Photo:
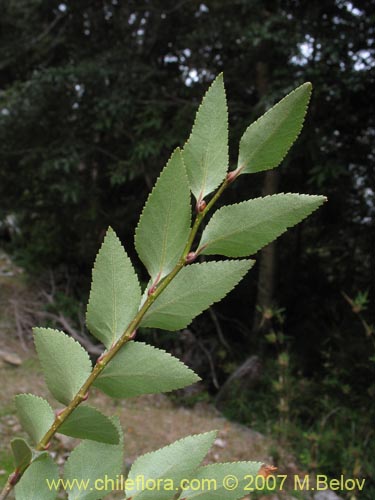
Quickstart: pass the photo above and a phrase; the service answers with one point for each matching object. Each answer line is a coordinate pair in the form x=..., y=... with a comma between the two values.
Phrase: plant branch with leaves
x=179, y=289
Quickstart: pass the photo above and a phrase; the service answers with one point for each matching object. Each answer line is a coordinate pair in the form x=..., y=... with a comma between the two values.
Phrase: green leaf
x=142, y=369
x=170, y=465
x=66, y=365
x=194, y=289
x=115, y=292
x=206, y=151
x=242, y=229
x=91, y=461
x=212, y=481
x=266, y=141
x=35, y=414
x=164, y=226
x=22, y=453
x=40, y=481
x=87, y=422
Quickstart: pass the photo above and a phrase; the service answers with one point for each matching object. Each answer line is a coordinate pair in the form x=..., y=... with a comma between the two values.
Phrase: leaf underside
x=66, y=365
x=87, y=422
x=90, y=461
x=142, y=369
x=266, y=141
x=216, y=473
x=161, y=235
x=243, y=229
x=34, y=485
x=115, y=292
x=164, y=225
x=193, y=290
x=35, y=414
x=206, y=151
x=174, y=462
x=22, y=453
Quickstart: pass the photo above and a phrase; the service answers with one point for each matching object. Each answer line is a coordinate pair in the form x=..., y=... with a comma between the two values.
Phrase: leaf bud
x=191, y=256
x=232, y=176
x=201, y=205
x=15, y=477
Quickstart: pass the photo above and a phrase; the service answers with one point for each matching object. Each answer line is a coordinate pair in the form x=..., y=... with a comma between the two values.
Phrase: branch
x=82, y=339
x=210, y=362
x=219, y=330
x=129, y=334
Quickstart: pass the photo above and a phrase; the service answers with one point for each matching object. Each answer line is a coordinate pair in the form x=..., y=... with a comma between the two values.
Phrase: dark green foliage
x=327, y=419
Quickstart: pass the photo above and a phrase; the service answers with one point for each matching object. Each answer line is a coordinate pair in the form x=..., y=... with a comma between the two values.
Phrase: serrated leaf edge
x=33, y=396
x=29, y=394
x=170, y=445
x=178, y=361
x=242, y=462
x=251, y=262
x=220, y=75
x=110, y=229
x=98, y=412
x=151, y=194
x=220, y=464
x=260, y=119
x=207, y=245
x=120, y=444
x=70, y=339
x=42, y=456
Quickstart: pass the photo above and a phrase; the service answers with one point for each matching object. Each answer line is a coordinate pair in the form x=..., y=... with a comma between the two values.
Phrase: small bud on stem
x=232, y=176
x=201, y=205
x=14, y=478
x=100, y=358
x=58, y=413
x=152, y=288
x=191, y=256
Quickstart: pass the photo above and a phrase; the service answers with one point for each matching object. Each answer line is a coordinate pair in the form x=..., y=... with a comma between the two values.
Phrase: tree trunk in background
x=267, y=265
x=248, y=373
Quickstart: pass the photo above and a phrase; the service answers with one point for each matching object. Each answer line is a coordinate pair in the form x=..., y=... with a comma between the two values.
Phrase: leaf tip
x=220, y=77
x=110, y=232
x=307, y=85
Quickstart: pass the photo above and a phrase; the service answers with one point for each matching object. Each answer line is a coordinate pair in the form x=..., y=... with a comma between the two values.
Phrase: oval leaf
x=164, y=226
x=66, y=365
x=192, y=291
x=40, y=480
x=91, y=461
x=87, y=422
x=22, y=453
x=266, y=141
x=35, y=414
x=243, y=229
x=211, y=477
x=115, y=292
x=170, y=464
x=206, y=151
x=142, y=369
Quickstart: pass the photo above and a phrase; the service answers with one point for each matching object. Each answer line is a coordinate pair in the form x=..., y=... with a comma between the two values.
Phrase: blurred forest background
x=94, y=96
